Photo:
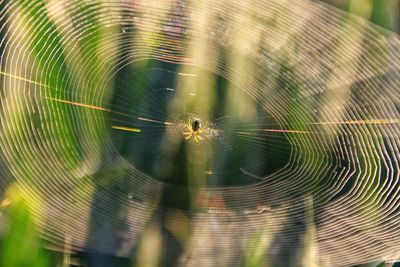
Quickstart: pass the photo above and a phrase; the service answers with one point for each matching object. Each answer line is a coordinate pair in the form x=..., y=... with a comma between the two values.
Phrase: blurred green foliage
x=384, y=13
x=21, y=245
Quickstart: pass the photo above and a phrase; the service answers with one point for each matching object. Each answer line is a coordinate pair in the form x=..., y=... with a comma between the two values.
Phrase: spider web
x=302, y=100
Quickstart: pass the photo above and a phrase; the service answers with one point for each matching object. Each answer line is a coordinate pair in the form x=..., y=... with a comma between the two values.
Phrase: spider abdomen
x=195, y=125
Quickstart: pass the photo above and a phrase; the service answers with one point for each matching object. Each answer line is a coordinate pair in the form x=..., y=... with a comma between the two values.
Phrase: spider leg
x=186, y=130
x=189, y=135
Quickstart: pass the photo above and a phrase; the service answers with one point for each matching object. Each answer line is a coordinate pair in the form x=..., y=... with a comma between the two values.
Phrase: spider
x=193, y=129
